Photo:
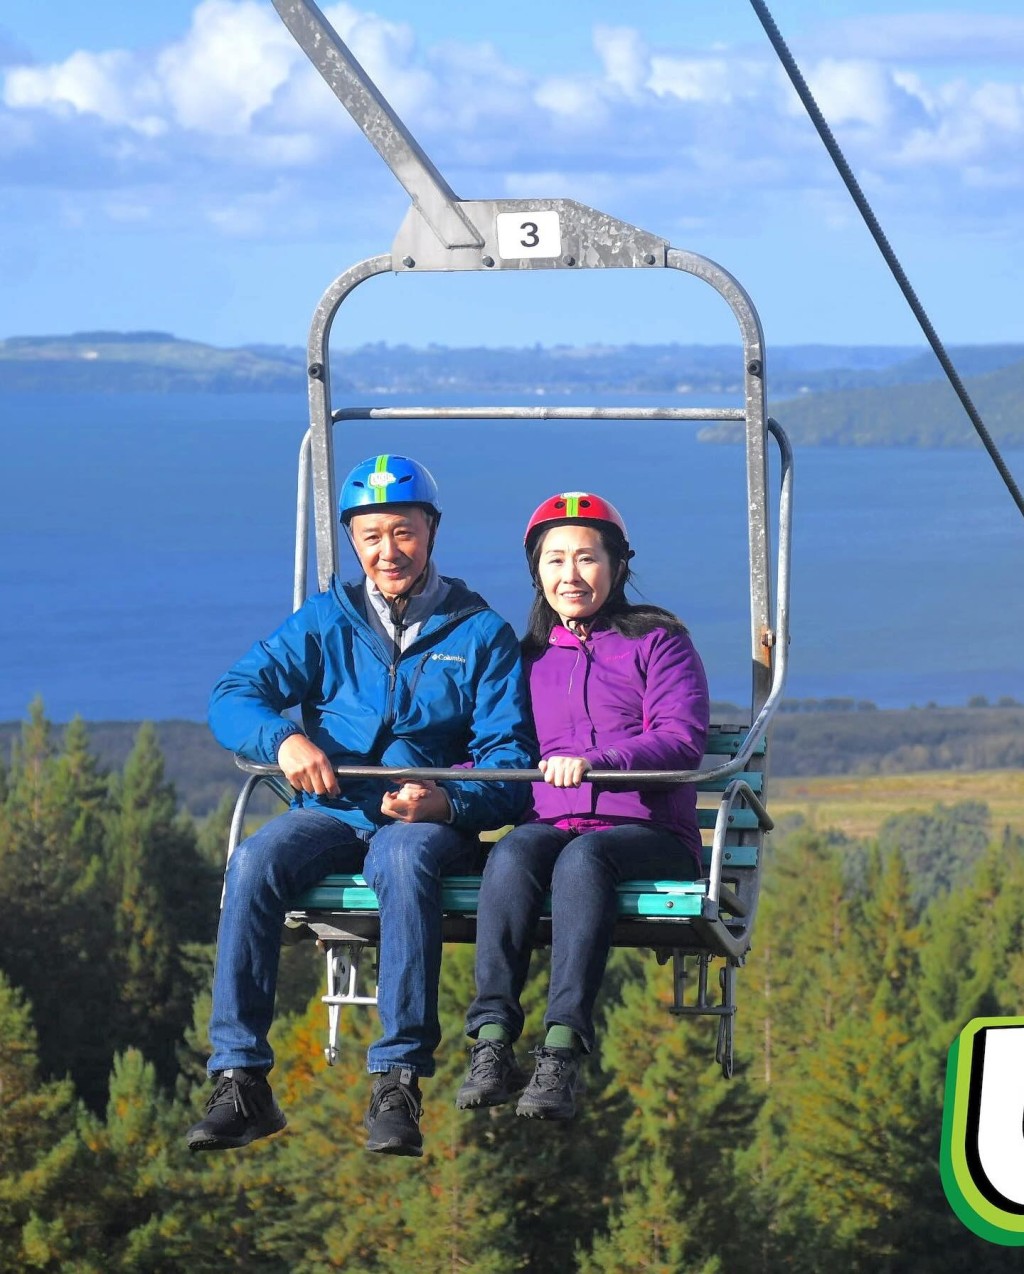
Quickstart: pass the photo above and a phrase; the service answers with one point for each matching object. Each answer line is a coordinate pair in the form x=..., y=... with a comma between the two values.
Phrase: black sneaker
x=494, y=1076
x=393, y=1120
x=551, y=1092
x=241, y=1108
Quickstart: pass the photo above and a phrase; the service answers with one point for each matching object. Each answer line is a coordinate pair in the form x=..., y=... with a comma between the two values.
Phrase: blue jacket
x=455, y=695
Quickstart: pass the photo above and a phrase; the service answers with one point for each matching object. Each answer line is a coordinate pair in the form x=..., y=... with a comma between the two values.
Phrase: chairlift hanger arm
x=442, y=231
x=371, y=110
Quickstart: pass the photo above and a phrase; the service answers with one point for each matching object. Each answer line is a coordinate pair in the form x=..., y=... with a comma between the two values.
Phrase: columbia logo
x=450, y=659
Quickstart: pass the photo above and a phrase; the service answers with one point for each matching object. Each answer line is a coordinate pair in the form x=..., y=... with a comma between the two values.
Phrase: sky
x=179, y=166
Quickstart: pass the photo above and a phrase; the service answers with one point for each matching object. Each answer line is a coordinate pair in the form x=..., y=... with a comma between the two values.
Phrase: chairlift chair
x=694, y=925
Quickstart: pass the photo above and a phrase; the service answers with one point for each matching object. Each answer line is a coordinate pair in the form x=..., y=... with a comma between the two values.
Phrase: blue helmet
x=384, y=480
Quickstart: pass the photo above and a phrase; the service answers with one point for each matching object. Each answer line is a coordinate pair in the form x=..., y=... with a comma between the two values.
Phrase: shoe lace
x=230, y=1092
x=549, y=1072
x=392, y=1094
x=488, y=1060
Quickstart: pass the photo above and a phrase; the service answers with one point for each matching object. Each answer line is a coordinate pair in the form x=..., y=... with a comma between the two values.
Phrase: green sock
x=562, y=1037
x=492, y=1031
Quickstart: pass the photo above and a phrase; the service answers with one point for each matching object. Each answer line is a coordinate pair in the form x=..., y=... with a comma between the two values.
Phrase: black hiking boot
x=494, y=1076
x=393, y=1120
x=241, y=1109
x=551, y=1092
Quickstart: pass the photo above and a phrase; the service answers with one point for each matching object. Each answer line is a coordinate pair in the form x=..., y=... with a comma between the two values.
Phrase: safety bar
x=538, y=413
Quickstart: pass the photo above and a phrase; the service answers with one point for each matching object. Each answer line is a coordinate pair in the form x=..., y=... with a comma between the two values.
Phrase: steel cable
x=838, y=158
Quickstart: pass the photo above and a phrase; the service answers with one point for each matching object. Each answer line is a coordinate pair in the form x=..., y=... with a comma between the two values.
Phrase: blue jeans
x=402, y=862
x=581, y=871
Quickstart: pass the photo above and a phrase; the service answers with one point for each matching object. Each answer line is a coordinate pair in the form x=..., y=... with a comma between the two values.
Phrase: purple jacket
x=623, y=704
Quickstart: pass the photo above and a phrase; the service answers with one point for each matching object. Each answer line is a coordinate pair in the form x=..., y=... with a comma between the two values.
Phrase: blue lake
x=146, y=540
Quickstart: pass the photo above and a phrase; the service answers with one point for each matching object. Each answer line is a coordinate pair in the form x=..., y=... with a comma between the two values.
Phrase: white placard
x=528, y=234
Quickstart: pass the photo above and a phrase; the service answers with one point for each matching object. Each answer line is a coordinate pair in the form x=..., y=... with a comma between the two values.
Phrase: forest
x=821, y=1152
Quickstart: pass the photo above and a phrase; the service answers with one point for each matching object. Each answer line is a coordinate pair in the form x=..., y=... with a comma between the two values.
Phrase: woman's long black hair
x=628, y=618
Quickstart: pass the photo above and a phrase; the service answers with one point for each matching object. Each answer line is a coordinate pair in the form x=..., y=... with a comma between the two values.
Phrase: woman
x=612, y=686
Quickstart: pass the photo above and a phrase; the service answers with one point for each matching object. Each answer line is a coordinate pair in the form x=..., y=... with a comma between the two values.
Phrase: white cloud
x=572, y=99
x=926, y=37
x=649, y=130
x=102, y=84
x=690, y=79
x=854, y=92
x=227, y=68
x=624, y=57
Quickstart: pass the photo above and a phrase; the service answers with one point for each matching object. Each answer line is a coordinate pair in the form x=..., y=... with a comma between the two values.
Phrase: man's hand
x=417, y=802
x=564, y=771
x=307, y=768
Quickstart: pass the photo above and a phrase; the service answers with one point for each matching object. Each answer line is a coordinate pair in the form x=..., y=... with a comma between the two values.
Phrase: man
x=405, y=668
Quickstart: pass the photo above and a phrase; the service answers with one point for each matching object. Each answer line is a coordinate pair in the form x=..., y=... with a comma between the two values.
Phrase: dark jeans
x=581, y=871
x=403, y=863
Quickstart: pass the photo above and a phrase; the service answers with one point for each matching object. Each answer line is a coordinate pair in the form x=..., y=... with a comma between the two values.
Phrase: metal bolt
x=768, y=638
x=649, y=258
x=754, y=367
x=408, y=262
x=567, y=260
x=316, y=370
x=488, y=261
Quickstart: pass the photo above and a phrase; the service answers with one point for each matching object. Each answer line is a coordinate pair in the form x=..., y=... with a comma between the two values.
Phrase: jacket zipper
x=399, y=655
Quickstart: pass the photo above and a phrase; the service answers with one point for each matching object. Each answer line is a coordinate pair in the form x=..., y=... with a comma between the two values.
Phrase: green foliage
x=820, y=1153
x=57, y=937
x=102, y=888
x=163, y=894
x=939, y=847
x=40, y=1154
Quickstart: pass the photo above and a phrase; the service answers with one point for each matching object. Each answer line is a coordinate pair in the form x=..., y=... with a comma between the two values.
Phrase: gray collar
x=420, y=607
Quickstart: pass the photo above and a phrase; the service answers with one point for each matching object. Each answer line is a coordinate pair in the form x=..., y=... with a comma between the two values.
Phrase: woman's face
x=575, y=571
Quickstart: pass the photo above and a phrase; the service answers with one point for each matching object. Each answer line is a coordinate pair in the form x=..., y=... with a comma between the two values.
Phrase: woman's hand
x=306, y=768
x=421, y=801
x=564, y=771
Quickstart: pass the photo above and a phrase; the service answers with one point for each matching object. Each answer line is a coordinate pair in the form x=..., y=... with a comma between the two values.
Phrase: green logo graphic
x=982, y=1156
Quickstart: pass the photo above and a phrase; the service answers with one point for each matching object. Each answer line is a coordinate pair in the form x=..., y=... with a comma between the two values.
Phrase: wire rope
x=859, y=198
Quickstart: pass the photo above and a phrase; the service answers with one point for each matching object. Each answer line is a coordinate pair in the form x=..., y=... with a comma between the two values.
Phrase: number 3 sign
x=528, y=234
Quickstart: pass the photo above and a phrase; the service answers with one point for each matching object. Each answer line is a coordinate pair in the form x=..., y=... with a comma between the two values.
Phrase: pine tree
x=41, y=1213
x=682, y=1124
x=56, y=936
x=793, y=1000
x=164, y=897
x=652, y=1232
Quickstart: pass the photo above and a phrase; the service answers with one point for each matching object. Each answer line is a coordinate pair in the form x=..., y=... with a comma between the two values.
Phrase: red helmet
x=575, y=506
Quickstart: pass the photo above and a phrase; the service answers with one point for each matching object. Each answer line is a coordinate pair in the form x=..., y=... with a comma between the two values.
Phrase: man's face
x=392, y=547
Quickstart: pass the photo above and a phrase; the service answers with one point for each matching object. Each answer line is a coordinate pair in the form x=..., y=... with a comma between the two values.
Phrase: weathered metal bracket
x=530, y=234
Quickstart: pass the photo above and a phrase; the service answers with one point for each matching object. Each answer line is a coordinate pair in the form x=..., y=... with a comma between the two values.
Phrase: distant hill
x=154, y=362
x=139, y=362
x=834, y=395
x=901, y=415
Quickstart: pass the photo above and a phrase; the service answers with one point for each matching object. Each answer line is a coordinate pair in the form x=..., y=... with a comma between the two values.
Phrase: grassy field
x=859, y=805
